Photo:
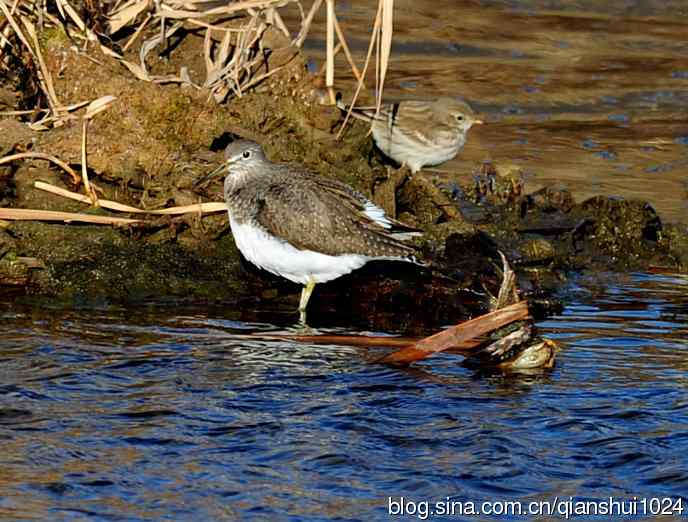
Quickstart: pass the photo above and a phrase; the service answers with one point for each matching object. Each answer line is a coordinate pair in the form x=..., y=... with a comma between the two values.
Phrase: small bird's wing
x=368, y=113
x=326, y=220
x=414, y=113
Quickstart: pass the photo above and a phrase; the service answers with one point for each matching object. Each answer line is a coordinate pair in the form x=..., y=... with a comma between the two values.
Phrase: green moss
x=165, y=118
x=53, y=38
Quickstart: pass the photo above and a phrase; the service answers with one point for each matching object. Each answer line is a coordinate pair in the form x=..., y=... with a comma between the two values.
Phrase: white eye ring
x=459, y=117
x=246, y=154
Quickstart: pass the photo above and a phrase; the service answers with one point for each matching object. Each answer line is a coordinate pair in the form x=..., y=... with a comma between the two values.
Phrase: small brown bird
x=419, y=133
x=301, y=226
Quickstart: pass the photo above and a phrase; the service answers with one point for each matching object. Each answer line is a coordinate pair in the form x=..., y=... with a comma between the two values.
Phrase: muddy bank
x=151, y=146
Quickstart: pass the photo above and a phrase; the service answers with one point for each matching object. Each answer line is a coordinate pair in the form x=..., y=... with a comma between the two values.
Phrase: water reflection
x=587, y=93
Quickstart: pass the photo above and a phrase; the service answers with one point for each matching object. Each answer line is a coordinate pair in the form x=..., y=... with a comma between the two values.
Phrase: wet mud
x=156, y=141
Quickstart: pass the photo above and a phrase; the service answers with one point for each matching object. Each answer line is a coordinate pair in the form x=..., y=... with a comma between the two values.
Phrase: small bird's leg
x=305, y=296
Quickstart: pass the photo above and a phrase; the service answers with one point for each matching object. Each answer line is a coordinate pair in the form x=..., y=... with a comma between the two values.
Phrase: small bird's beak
x=478, y=122
x=204, y=179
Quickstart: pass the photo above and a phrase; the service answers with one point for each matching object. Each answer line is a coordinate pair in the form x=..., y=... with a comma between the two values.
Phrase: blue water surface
x=159, y=413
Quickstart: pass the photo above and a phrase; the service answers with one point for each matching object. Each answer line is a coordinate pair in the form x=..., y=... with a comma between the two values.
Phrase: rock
x=8, y=99
x=676, y=237
x=7, y=244
x=13, y=272
x=549, y=199
x=535, y=252
x=14, y=134
x=623, y=231
x=540, y=354
x=426, y=201
x=28, y=196
x=385, y=190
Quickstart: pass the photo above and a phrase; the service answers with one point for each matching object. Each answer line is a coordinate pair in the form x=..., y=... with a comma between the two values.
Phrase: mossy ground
x=150, y=146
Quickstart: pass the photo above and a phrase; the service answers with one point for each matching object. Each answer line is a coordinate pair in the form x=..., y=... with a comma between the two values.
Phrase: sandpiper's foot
x=302, y=317
x=301, y=328
x=305, y=297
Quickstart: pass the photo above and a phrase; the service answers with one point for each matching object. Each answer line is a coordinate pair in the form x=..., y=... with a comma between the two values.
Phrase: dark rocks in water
x=547, y=234
x=549, y=199
x=676, y=238
x=622, y=233
x=15, y=271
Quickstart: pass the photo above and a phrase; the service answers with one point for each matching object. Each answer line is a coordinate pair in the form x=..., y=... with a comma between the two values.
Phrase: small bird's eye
x=246, y=154
x=459, y=117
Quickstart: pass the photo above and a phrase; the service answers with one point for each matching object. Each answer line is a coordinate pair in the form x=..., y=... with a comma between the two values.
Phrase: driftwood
x=459, y=334
x=517, y=350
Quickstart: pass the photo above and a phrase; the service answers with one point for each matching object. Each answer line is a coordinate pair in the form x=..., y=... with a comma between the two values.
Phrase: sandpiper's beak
x=204, y=179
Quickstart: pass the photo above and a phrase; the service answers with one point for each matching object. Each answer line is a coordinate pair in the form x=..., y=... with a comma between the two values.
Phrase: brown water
x=590, y=94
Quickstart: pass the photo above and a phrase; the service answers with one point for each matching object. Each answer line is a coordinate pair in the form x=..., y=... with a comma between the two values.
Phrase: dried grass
x=203, y=208
x=234, y=55
x=39, y=155
x=95, y=107
x=25, y=214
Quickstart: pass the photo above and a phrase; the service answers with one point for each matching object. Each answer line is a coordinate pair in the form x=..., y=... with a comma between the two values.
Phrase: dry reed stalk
x=359, y=86
x=306, y=23
x=345, y=47
x=76, y=179
x=229, y=68
x=329, y=74
x=170, y=15
x=363, y=341
x=381, y=40
x=385, y=48
x=44, y=78
x=137, y=33
x=84, y=170
x=64, y=6
x=25, y=214
x=232, y=70
x=203, y=208
x=95, y=107
x=20, y=113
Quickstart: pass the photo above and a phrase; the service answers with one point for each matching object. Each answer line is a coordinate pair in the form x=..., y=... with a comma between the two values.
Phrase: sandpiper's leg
x=305, y=296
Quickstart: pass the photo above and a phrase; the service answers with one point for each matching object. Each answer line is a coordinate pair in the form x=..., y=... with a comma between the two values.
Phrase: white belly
x=282, y=259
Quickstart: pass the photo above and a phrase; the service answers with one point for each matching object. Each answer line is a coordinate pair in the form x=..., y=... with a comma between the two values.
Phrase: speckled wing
x=311, y=216
x=362, y=205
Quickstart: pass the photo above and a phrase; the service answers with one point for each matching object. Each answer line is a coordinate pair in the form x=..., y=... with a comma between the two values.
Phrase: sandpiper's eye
x=459, y=117
x=246, y=154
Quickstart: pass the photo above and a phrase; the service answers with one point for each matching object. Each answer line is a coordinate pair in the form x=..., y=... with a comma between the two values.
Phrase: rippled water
x=169, y=413
x=592, y=94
